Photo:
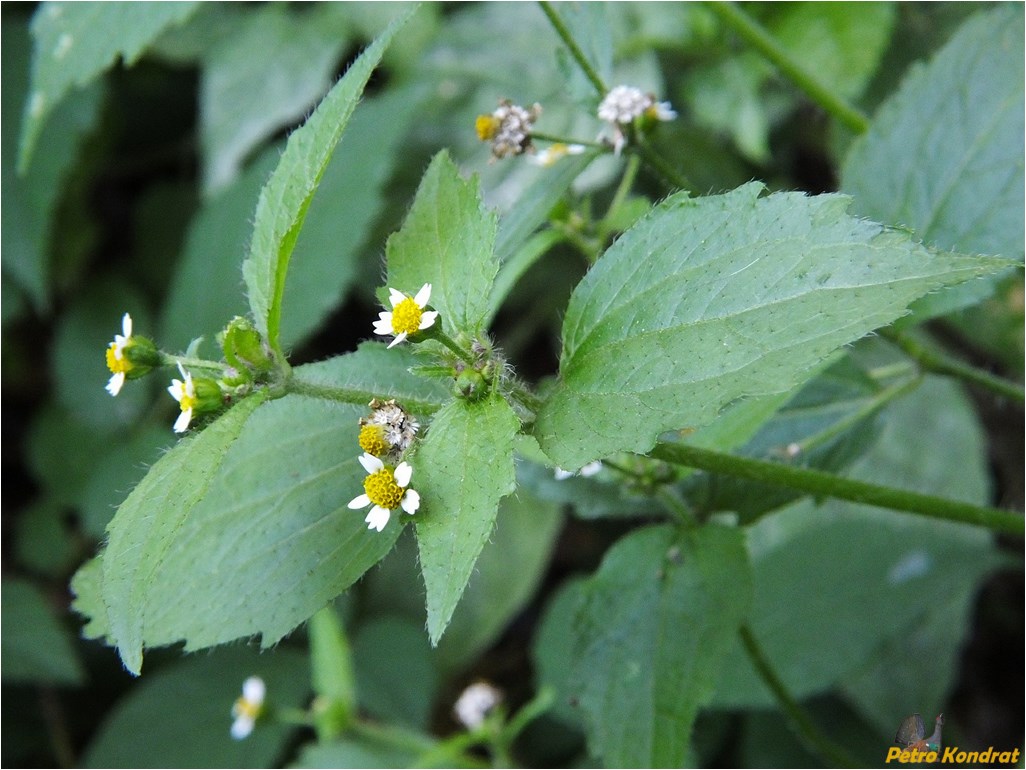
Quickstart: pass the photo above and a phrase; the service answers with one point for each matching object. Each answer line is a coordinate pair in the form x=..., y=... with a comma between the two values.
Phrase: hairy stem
x=753, y=32
x=938, y=363
x=353, y=396
x=575, y=50
x=803, y=727
x=827, y=484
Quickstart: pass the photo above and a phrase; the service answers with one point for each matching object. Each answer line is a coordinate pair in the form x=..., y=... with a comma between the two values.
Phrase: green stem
x=671, y=177
x=938, y=363
x=749, y=29
x=877, y=403
x=352, y=396
x=683, y=514
x=807, y=732
x=167, y=359
x=630, y=173
x=525, y=397
x=437, y=334
x=564, y=140
x=575, y=50
x=827, y=484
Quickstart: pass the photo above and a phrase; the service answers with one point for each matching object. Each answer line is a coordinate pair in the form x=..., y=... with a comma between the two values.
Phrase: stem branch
x=753, y=32
x=352, y=396
x=575, y=50
x=807, y=732
x=827, y=484
x=938, y=363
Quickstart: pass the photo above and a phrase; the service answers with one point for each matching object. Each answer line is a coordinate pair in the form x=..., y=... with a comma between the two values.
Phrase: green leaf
x=270, y=522
x=76, y=42
x=821, y=615
x=45, y=543
x=87, y=587
x=204, y=293
x=286, y=197
x=506, y=576
x=650, y=637
x=944, y=154
x=362, y=752
x=447, y=240
x=462, y=470
x=352, y=191
x=395, y=674
x=35, y=648
x=705, y=301
x=148, y=523
x=30, y=199
x=193, y=698
x=269, y=72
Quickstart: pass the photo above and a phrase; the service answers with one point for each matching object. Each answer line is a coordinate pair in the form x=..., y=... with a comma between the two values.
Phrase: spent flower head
x=248, y=708
x=385, y=489
x=389, y=429
x=129, y=357
x=508, y=128
x=407, y=316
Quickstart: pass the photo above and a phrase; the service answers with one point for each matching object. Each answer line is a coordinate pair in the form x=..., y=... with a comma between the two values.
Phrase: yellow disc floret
x=372, y=440
x=487, y=126
x=187, y=402
x=383, y=490
x=406, y=317
x=116, y=364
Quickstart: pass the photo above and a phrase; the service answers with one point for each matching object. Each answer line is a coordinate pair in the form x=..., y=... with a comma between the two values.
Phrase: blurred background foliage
x=139, y=197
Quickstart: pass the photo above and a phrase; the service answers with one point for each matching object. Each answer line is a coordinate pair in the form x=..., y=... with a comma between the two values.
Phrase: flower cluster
x=624, y=105
x=508, y=128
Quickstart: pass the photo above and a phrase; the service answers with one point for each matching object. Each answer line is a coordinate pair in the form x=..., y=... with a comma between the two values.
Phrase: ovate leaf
x=649, y=638
x=147, y=523
x=447, y=240
x=286, y=198
x=705, y=301
x=462, y=469
x=944, y=155
x=76, y=42
x=271, y=540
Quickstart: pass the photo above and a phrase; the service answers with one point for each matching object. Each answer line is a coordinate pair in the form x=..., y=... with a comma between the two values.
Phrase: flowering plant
x=699, y=444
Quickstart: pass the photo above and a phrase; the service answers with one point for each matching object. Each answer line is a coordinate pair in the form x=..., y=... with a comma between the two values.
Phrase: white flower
x=116, y=360
x=475, y=702
x=247, y=708
x=407, y=316
x=184, y=392
x=587, y=470
x=385, y=489
x=554, y=152
x=662, y=111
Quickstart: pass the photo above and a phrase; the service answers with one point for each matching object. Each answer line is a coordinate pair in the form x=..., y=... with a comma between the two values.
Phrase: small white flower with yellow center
x=408, y=315
x=385, y=489
x=587, y=470
x=555, y=152
x=475, y=702
x=247, y=709
x=184, y=392
x=116, y=360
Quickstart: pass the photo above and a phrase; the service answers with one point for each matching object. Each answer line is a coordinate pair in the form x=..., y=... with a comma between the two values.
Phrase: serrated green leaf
x=204, y=293
x=856, y=607
x=76, y=42
x=352, y=191
x=447, y=240
x=35, y=648
x=286, y=197
x=506, y=575
x=194, y=697
x=708, y=300
x=268, y=540
x=649, y=638
x=462, y=470
x=148, y=522
x=268, y=72
x=944, y=154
